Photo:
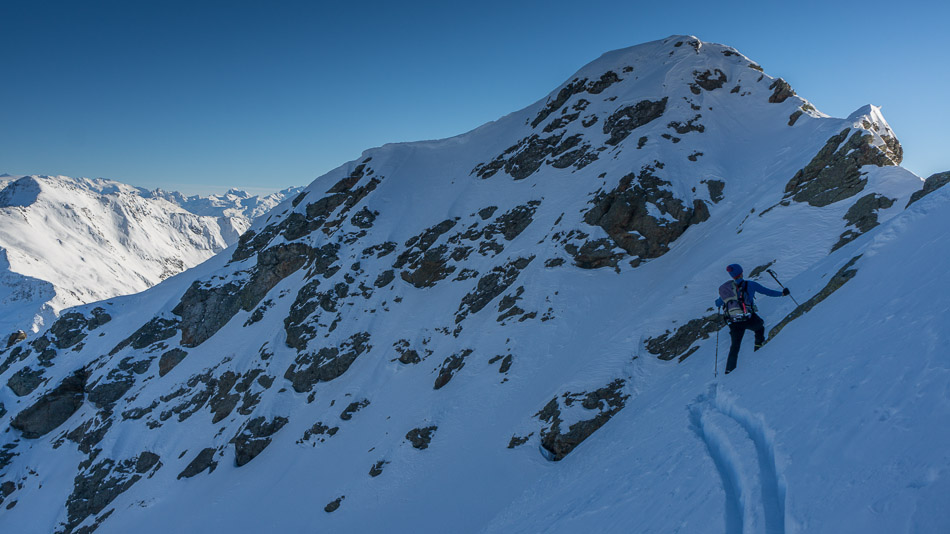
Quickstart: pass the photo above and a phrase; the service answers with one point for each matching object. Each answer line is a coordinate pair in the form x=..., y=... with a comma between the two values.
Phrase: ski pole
x=716, y=366
x=771, y=272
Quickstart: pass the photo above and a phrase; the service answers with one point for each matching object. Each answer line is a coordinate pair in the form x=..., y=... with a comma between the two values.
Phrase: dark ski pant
x=737, y=330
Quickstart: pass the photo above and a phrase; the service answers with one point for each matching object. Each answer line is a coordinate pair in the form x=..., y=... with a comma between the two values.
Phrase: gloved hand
x=785, y=291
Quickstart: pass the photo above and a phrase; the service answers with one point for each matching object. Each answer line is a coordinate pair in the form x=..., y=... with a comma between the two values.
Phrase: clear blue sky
x=203, y=96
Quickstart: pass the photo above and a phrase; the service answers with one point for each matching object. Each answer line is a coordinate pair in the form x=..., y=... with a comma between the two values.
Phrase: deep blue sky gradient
x=203, y=96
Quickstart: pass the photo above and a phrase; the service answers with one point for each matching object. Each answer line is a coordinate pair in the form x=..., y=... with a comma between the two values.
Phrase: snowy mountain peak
x=20, y=193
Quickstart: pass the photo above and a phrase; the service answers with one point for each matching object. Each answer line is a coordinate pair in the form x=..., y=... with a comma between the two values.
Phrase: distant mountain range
x=68, y=241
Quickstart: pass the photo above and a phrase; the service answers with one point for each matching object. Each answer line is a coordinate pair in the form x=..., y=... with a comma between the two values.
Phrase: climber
x=737, y=303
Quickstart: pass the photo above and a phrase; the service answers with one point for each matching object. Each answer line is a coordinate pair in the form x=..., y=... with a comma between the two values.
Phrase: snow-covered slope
x=70, y=241
x=511, y=331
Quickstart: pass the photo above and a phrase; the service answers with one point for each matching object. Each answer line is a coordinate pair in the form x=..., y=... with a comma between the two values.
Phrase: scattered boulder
x=377, y=468
x=334, y=505
x=421, y=437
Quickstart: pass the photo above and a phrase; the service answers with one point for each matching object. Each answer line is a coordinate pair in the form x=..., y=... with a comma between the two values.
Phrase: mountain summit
x=511, y=330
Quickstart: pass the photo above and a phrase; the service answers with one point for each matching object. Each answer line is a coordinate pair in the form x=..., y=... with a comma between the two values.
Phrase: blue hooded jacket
x=751, y=288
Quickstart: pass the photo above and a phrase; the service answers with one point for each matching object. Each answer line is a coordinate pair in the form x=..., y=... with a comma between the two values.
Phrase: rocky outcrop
x=352, y=408
x=157, y=329
x=377, y=468
x=931, y=184
x=25, y=381
x=421, y=437
x=862, y=216
x=601, y=404
x=450, y=366
x=334, y=504
x=52, y=408
x=781, y=91
x=708, y=80
x=627, y=119
x=835, y=173
x=327, y=363
x=205, y=307
x=255, y=437
x=98, y=485
x=626, y=214
x=15, y=338
x=169, y=360
x=680, y=342
x=490, y=286
x=204, y=460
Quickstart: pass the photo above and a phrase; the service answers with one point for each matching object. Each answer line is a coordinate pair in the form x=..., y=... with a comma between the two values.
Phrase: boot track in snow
x=755, y=491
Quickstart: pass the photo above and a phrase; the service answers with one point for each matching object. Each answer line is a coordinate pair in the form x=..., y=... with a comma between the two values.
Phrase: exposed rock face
x=204, y=460
x=25, y=381
x=421, y=437
x=707, y=80
x=625, y=120
x=98, y=485
x=157, y=329
x=450, y=366
x=931, y=184
x=862, y=216
x=677, y=344
x=625, y=214
x=835, y=173
x=352, y=408
x=53, y=408
x=254, y=437
x=490, y=286
x=319, y=429
x=377, y=468
x=603, y=404
x=205, y=308
x=169, y=360
x=781, y=91
x=327, y=363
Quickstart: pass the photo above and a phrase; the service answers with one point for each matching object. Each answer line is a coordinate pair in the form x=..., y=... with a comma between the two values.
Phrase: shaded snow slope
x=511, y=330
x=70, y=241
